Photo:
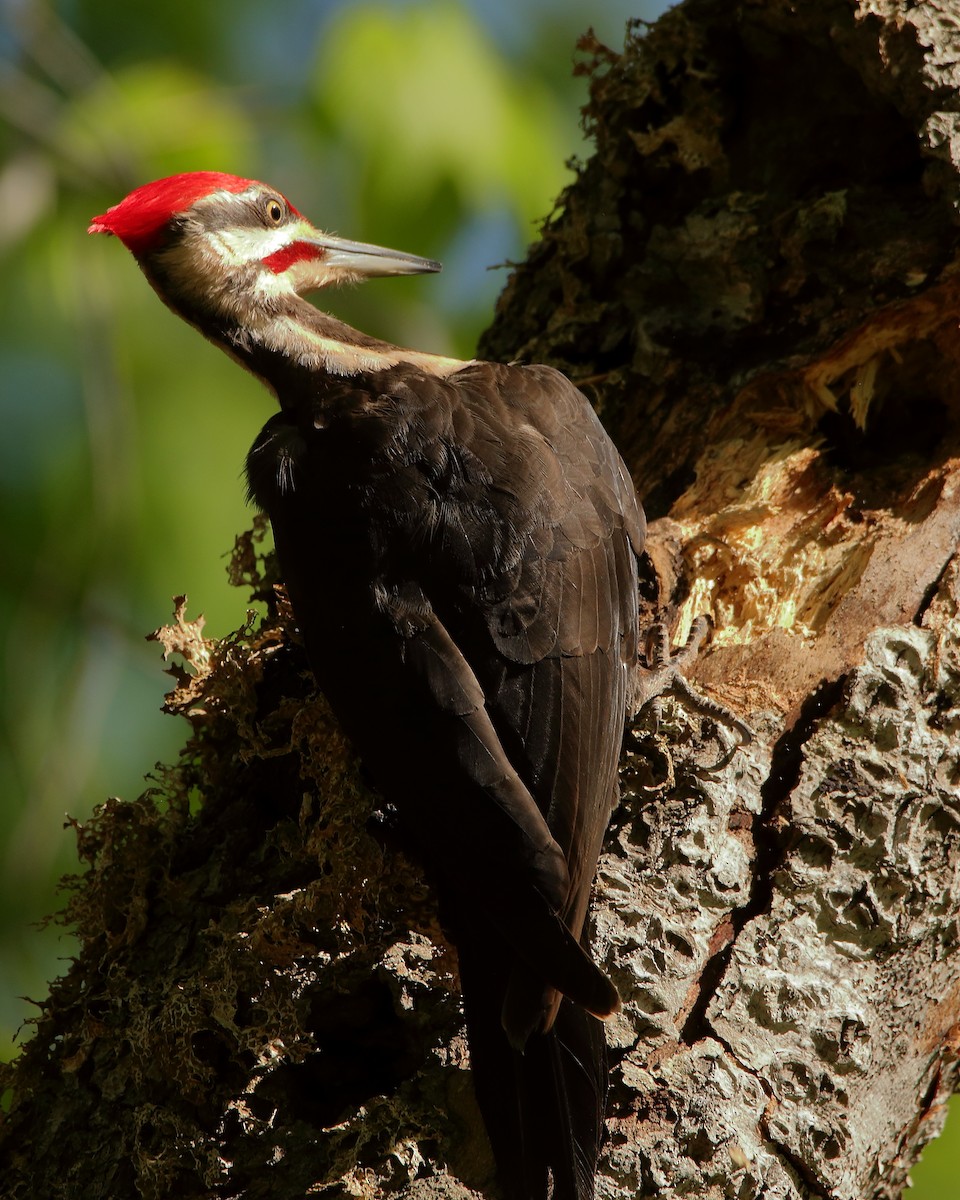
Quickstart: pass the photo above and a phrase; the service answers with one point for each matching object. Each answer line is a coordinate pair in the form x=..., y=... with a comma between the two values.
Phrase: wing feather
x=461, y=556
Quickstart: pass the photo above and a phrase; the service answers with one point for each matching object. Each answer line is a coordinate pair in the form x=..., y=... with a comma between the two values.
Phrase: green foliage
x=152, y=119
x=416, y=132
x=937, y=1175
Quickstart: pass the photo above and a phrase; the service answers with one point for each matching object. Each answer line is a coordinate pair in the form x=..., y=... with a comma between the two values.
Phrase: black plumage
x=460, y=553
x=459, y=544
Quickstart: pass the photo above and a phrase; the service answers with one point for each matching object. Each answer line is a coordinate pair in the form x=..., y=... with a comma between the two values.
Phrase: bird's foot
x=660, y=675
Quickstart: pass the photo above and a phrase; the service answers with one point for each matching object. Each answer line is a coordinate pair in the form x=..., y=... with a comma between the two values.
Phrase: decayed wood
x=755, y=275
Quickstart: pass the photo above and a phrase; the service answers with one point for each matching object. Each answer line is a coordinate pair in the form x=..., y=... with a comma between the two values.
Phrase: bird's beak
x=361, y=260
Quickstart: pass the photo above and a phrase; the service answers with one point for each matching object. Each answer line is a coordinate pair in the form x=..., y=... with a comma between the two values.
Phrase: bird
x=459, y=541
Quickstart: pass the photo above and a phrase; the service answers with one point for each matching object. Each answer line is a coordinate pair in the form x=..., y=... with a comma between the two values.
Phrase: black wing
x=460, y=554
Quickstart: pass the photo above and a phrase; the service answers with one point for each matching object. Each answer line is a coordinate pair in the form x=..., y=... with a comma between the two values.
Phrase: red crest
x=139, y=220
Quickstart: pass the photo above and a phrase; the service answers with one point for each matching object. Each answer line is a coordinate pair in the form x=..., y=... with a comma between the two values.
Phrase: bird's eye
x=274, y=211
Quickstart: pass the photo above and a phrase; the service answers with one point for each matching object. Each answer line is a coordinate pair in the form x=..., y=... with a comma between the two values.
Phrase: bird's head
x=215, y=241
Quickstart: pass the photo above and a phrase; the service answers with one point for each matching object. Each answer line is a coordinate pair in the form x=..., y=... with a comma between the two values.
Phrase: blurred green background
x=433, y=126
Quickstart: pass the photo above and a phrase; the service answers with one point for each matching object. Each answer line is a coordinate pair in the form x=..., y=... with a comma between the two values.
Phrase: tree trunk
x=756, y=277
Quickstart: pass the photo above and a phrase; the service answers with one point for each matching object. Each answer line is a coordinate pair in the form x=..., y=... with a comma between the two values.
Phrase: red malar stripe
x=296, y=252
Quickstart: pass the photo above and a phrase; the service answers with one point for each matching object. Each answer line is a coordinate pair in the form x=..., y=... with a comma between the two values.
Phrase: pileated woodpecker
x=459, y=541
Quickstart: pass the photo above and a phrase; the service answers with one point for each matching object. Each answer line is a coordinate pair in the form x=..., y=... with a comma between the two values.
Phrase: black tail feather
x=544, y=1107
x=573, y=1056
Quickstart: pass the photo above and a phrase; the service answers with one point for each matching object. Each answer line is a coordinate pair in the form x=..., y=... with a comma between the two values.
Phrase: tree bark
x=755, y=276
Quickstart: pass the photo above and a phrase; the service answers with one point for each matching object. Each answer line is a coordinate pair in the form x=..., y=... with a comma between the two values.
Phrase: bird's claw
x=660, y=675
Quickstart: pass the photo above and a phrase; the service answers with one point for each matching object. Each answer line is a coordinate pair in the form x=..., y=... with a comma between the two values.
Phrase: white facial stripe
x=269, y=284
x=342, y=359
x=236, y=247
